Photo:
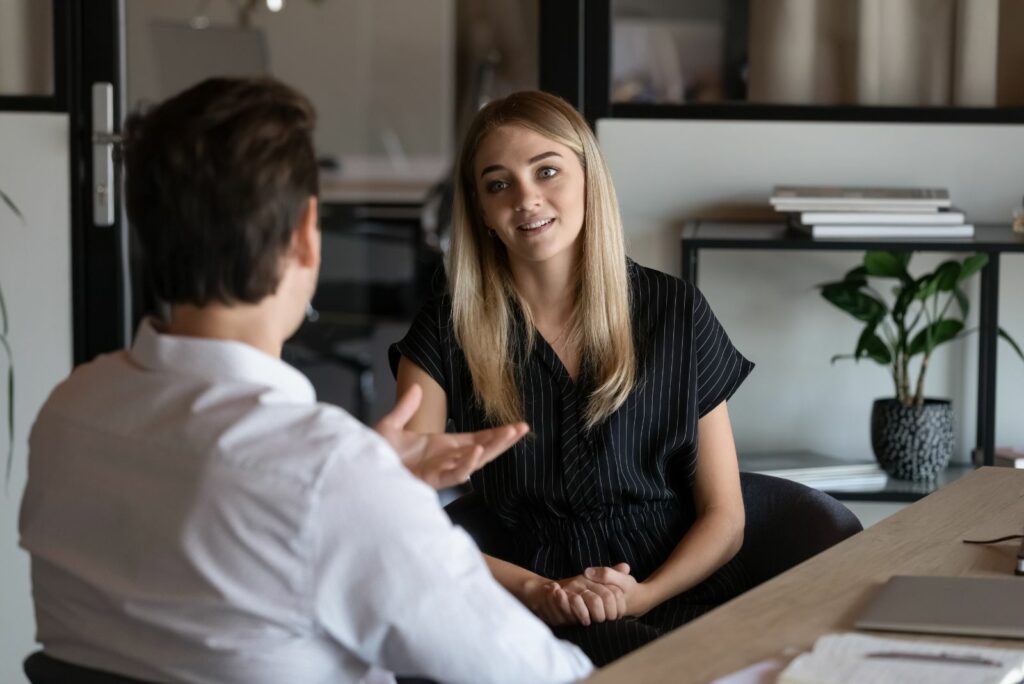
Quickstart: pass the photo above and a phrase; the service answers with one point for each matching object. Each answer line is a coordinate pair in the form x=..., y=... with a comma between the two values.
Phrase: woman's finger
x=579, y=609
x=595, y=605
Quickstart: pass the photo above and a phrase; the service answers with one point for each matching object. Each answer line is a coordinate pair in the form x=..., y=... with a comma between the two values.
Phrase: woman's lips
x=536, y=226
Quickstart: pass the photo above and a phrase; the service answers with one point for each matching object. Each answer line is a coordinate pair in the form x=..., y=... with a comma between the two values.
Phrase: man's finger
x=467, y=464
x=404, y=410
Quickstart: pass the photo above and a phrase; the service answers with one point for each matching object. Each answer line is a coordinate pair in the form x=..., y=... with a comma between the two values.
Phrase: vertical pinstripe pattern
x=573, y=498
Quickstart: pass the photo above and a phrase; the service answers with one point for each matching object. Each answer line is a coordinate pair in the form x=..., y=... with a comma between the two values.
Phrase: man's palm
x=443, y=460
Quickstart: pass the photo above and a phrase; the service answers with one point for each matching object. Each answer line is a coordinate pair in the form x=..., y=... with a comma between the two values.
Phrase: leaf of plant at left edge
x=13, y=207
x=1006, y=336
x=10, y=406
x=3, y=313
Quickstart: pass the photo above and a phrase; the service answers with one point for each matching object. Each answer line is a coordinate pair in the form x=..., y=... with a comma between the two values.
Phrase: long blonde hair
x=482, y=289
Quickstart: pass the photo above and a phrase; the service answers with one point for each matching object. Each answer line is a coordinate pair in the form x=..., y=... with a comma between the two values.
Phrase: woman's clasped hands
x=599, y=594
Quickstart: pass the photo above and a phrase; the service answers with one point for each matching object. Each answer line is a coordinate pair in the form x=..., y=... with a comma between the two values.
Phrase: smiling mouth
x=536, y=225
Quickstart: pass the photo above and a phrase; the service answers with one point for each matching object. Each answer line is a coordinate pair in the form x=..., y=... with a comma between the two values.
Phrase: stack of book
x=817, y=471
x=871, y=213
x=1010, y=458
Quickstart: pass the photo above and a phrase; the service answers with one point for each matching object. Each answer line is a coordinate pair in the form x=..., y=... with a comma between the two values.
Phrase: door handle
x=103, y=140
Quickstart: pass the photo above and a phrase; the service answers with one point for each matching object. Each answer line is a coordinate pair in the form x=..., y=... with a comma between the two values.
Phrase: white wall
x=669, y=171
x=35, y=272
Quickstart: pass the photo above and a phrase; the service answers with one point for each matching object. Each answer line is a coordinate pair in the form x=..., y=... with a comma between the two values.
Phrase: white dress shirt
x=193, y=515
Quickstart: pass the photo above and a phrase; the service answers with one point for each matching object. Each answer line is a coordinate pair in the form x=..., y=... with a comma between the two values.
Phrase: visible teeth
x=536, y=224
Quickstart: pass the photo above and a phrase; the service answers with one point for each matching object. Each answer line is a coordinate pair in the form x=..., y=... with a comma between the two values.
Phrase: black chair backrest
x=786, y=523
x=42, y=669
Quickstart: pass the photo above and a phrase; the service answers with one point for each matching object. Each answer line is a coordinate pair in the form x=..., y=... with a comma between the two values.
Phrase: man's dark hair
x=216, y=179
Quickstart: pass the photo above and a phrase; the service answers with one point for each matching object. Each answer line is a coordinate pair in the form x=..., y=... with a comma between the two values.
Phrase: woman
x=624, y=504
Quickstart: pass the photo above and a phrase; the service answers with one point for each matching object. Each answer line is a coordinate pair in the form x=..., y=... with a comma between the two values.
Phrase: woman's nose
x=528, y=197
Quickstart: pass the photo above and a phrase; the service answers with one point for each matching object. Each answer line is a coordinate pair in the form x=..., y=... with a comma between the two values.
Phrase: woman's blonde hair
x=482, y=289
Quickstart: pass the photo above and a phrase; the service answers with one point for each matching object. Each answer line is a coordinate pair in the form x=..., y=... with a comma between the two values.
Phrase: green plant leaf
x=10, y=405
x=941, y=332
x=927, y=285
x=838, y=357
x=856, y=276
x=11, y=205
x=871, y=345
x=962, y=300
x=972, y=265
x=885, y=264
x=850, y=299
x=1006, y=336
x=3, y=313
x=947, y=275
x=905, y=294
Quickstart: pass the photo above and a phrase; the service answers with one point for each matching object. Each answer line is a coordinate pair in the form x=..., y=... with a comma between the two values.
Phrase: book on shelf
x=852, y=657
x=861, y=197
x=888, y=232
x=1008, y=458
x=945, y=217
x=816, y=470
x=792, y=207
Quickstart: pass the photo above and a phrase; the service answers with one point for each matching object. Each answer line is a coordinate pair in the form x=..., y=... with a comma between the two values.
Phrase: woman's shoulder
x=436, y=308
x=651, y=287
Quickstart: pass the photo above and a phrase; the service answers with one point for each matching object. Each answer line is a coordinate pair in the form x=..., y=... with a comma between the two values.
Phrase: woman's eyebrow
x=533, y=160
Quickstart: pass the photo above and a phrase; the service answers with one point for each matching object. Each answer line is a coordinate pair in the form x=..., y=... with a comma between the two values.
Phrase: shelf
x=724, y=235
x=888, y=490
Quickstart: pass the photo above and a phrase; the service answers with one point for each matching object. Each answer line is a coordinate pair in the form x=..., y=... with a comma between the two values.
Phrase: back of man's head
x=216, y=179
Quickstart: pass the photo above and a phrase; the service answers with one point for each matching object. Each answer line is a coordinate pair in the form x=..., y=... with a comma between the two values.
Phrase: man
x=192, y=513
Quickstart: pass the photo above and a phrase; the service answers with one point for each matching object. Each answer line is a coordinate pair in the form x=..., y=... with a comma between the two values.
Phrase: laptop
x=967, y=606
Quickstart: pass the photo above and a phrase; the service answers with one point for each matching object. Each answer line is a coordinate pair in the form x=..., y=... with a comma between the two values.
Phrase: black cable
x=994, y=541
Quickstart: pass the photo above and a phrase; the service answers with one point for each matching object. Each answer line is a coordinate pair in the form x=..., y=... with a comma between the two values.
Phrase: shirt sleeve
x=721, y=369
x=424, y=343
x=402, y=588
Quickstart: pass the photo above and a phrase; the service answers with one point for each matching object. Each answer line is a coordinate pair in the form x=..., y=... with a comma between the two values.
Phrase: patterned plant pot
x=915, y=442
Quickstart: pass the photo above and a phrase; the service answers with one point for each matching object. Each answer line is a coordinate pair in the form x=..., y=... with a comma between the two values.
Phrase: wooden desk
x=827, y=592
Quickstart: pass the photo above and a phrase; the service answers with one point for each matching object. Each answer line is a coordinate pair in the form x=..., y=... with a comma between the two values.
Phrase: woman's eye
x=548, y=172
x=496, y=186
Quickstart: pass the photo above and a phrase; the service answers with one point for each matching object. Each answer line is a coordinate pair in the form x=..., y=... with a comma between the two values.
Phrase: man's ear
x=306, y=238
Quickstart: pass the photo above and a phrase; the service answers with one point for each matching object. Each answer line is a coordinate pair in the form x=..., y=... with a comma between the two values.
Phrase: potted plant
x=911, y=435
x=8, y=358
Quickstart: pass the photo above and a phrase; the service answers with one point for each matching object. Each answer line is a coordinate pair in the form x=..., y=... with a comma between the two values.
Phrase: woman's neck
x=549, y=289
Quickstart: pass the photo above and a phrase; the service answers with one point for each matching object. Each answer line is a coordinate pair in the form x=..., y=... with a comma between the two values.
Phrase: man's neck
x=252, y=324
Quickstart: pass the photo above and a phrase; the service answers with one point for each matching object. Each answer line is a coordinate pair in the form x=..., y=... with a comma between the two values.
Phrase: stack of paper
x=876, y=213
x=848, y=658
x=816, y=471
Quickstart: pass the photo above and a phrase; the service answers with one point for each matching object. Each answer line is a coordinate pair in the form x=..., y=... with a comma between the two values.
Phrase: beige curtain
x=874, y=52
x=26, y=47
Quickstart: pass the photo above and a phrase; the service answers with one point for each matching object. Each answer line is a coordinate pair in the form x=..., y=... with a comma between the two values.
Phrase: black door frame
x=99, y=279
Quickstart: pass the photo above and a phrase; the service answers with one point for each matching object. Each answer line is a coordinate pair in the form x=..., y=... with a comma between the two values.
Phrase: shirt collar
x=221, y=360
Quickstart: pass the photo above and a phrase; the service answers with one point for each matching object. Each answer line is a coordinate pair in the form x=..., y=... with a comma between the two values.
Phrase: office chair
x=786, y=523
x=43, y=669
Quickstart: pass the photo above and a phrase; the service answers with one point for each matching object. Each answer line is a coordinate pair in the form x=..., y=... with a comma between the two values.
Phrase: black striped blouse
x=572, y=498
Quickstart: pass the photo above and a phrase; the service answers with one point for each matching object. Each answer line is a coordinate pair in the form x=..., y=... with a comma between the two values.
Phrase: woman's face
x=531, y=192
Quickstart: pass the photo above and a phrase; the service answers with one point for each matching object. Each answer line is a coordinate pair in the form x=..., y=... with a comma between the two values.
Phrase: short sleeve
x=721, y=369
x=424, y=344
